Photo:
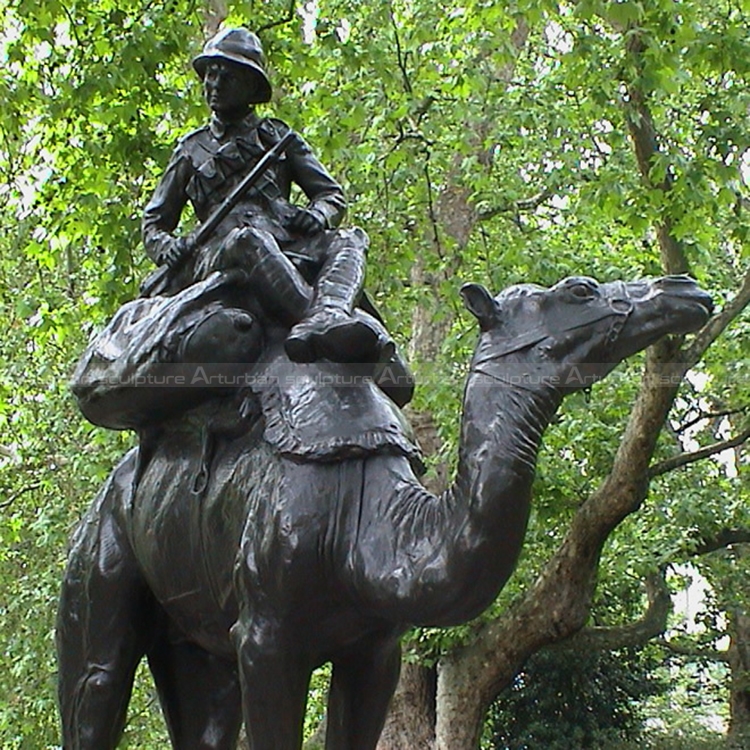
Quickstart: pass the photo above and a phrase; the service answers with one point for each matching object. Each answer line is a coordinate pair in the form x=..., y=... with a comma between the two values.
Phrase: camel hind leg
x=362, y=685
x=104, y=623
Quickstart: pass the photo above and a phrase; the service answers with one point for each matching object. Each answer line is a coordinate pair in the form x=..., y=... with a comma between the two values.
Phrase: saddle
x=196, y=360
x=161, y=356
x=327, y=411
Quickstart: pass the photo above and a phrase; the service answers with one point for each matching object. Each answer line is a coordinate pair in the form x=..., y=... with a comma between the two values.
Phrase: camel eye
x=581, y=290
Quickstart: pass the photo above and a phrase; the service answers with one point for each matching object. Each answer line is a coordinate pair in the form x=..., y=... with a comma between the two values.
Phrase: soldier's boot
x=330, y=329
x=326, y=330
x=393, y=376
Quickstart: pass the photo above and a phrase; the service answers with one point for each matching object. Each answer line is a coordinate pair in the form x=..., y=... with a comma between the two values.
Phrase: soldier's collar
x=219, y=128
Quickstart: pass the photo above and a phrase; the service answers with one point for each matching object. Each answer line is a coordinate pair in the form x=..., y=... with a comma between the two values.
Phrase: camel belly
x=305, y=543
x=186, y=544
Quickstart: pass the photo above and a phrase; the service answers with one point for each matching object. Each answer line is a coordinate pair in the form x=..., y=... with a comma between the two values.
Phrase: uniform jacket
x=210, y=161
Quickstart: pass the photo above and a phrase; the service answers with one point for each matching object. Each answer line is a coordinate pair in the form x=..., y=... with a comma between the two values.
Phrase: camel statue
x=277, y=562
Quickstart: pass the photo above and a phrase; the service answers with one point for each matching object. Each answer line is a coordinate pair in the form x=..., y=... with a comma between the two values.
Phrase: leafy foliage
x=565, y=698
x=478, y=141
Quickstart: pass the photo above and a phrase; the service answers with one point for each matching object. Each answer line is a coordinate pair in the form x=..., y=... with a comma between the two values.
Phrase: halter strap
x=535, y=336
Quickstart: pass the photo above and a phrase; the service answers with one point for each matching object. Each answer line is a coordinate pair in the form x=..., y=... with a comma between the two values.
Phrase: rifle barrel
x=158, y=281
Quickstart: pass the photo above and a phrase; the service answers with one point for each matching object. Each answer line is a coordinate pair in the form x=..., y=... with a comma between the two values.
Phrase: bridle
x=618, y=308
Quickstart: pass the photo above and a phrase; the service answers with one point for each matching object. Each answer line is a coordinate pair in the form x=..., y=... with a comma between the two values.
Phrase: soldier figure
x=302, y=270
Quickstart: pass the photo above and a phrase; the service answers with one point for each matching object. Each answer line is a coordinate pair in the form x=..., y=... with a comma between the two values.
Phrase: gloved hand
x=175, y=252
x=307, y=221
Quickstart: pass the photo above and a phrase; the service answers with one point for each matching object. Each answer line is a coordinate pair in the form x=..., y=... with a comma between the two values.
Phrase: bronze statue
x=302, y=271
x=256, y=265
x=309, y=537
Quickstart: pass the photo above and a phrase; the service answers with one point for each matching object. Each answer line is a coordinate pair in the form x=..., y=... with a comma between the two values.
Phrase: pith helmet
x=238, y=46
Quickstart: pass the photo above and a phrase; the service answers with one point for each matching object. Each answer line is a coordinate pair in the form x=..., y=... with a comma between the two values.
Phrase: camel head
x=574, y=333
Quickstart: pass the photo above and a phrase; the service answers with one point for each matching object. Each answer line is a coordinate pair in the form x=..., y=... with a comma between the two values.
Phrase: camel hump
x=326, y=411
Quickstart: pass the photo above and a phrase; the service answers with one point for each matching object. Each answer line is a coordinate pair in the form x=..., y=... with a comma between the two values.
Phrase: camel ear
x=480, y=303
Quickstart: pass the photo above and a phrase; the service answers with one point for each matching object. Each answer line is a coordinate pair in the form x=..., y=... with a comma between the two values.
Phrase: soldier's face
x=230, y=89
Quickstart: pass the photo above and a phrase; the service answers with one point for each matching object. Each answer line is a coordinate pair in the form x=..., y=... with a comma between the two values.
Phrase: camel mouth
x=683, y=305
x=703, y=301
x=684, y=287
x=706, y=307
x=694, y=307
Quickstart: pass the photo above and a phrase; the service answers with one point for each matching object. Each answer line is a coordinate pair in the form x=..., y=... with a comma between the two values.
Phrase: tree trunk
x=739, y=698
x=738, y=658
x=214, y=14
x=411, y=724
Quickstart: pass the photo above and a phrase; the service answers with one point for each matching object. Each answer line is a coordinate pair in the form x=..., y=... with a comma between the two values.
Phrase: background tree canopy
x=484, y=141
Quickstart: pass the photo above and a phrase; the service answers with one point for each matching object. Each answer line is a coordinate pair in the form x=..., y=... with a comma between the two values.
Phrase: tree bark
x=739, y=690
x=646, y=144
x=738, y=658
x=214, y=14
x=411, y=723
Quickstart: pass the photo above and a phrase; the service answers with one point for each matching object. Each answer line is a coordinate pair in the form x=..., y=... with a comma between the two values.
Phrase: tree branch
x=399, y=52
x=626, y=486
x=711, y=415
x=288, y=18
x=431, y=207
x=717, y=325
x=684, y=459
x=694, y=652
x=651, y=624
x=527, y=204
x=12, y=499
x=725, y=538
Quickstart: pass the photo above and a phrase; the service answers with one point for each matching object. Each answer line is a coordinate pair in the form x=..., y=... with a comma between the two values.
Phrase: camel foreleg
x=275, y=677
x=199, y=694
x=362, y=685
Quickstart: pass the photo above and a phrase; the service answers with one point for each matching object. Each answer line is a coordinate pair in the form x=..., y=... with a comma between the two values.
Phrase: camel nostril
x=686, y=287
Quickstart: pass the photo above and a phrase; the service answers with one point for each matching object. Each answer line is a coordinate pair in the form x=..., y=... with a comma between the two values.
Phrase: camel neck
x=489, y=503
x=507, y=408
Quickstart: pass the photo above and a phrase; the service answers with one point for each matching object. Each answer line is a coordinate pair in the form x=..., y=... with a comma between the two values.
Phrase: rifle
x=158, y=281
